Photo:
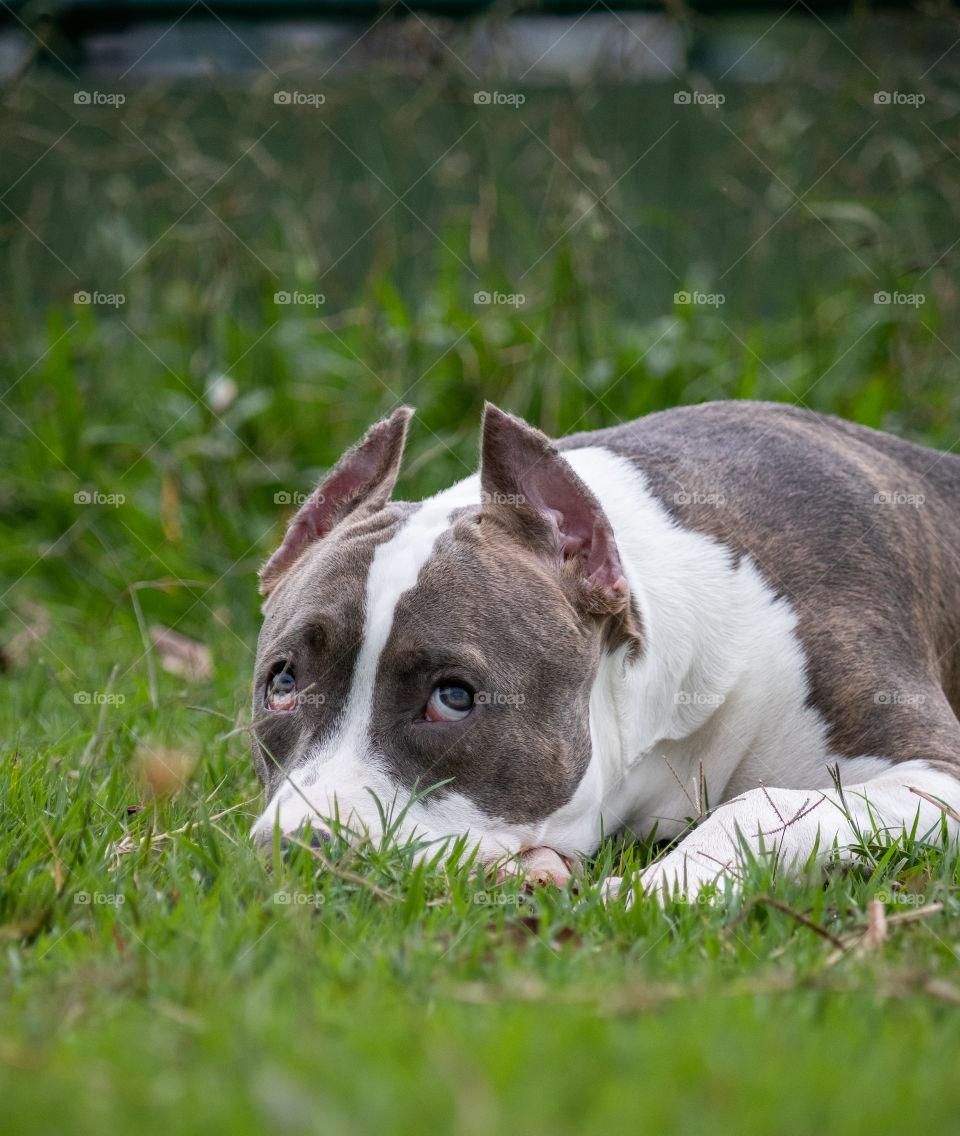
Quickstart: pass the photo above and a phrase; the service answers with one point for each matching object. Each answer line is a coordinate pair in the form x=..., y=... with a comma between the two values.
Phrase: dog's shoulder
x=810, y=485
x=858, y=530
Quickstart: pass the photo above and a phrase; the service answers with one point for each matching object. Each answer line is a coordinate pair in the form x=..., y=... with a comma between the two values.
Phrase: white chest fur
x=718, y=702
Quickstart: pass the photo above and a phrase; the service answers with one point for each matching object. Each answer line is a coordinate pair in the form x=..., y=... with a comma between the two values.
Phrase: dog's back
x=859, y=530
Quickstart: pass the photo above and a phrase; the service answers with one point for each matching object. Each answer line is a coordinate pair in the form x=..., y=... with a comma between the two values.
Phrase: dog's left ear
x=530, y=489
x=365, y=475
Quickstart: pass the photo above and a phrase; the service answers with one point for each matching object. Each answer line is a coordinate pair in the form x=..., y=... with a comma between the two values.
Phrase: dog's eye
x=282, y=691
x=449, y=703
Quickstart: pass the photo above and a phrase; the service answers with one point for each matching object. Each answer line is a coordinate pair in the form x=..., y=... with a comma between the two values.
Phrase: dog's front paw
x=676, y=876
x=540, y=867
x=683, y=874
x=617, y=889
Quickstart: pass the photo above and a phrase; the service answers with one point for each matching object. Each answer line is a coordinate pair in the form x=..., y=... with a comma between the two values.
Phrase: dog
x=735, y=626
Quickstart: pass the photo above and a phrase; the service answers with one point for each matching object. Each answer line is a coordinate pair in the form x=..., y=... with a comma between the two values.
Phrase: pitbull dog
x=737, y=623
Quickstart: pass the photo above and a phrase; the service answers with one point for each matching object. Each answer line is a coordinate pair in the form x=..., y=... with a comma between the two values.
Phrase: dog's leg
x=798, y=827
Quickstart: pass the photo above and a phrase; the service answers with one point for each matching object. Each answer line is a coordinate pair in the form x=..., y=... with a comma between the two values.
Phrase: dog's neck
x=713, y=637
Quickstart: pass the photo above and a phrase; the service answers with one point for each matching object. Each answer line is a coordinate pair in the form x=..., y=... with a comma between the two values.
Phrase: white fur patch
x=341, y=774
x=796, y=825
x=721, y=684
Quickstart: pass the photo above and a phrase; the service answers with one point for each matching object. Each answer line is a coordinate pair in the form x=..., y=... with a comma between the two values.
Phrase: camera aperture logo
x=299, y=98
x=503, y=899
x=900, y=299
x=899, y=698
x=700, y=299
x=100, y=299
x=98, y=698
x=509, y=299
x=95, y=497
x=899, y=98
x=498, y=498
x=684, y=497
x=901, y=898
x=498, y=698
x=299, y=899
x=99, y=98
x=98, y=898
x=699, y=98
x=499, y=98
x=899, y=497
x=698, y=698
x=293, y=497
x=300, y=299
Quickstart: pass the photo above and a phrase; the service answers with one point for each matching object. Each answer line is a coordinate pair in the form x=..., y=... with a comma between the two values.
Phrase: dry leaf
x=165, y=770
x=876, y=925
x=180, y=655
x=14, y=653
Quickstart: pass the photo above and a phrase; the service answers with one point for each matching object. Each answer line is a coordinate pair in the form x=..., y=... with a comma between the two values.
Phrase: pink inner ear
x=321, y=511
x=365, y=474
x=582, y=527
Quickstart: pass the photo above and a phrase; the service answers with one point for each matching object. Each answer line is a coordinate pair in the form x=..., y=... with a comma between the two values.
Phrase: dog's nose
x=319, y=837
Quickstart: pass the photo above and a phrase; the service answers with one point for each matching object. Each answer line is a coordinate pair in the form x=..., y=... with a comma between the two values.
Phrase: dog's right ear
x=365, y=475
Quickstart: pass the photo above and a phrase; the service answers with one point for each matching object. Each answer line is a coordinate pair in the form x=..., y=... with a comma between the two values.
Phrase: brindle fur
x=876, y=586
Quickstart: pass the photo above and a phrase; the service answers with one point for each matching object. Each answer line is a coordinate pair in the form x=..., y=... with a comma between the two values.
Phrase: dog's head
x=452, y=644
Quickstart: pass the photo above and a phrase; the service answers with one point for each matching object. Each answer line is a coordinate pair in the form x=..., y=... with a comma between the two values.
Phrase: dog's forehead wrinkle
x=416, y=649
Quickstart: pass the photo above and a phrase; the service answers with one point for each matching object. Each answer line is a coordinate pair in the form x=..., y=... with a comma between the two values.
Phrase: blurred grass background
x=148, y=453
x=398, y=200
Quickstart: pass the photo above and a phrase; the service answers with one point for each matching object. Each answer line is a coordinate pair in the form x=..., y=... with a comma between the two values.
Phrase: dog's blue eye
x=449, y=704
x=282, y=691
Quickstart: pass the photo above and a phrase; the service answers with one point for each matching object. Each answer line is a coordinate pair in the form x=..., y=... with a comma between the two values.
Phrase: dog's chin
x=540, y=866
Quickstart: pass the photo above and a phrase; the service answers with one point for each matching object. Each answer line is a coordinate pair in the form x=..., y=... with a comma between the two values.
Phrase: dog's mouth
x=540, y=866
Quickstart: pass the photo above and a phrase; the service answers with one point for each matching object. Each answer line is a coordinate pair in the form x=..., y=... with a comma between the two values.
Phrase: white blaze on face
x=340, y=775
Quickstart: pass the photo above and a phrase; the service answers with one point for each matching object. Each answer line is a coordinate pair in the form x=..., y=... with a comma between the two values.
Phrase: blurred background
x=233, y=236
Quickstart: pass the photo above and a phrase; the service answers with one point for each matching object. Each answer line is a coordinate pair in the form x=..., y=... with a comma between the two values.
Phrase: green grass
x=381, y=996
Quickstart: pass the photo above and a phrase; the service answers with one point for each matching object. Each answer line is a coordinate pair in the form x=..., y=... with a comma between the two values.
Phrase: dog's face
x=455, y=642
